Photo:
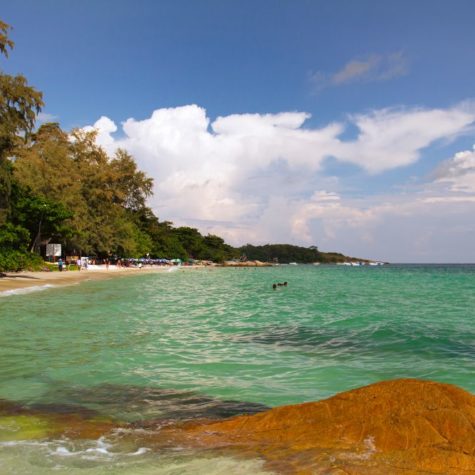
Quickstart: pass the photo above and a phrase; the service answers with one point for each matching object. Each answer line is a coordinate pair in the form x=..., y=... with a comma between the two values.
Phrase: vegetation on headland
x=286, y=253
x=61, y=187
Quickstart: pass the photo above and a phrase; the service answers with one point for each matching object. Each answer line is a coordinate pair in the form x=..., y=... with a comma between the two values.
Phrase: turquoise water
x=219, y=342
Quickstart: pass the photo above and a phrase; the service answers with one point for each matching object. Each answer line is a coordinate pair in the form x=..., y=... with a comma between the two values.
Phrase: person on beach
x=60, y=265
x=107, y=264
x=78, y=263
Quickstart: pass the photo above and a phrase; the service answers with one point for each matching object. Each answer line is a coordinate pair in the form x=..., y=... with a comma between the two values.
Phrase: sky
x=341, y=124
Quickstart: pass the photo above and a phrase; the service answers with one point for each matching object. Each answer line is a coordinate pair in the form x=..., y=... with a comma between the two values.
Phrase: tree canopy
x=19, y=105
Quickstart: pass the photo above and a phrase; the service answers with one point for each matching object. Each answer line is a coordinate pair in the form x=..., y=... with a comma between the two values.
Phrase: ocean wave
x=26, y=290
x=100, y=449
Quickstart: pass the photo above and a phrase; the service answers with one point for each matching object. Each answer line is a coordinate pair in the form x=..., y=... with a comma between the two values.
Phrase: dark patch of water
x=299, y=337
x=139, y=403
x=376, y=338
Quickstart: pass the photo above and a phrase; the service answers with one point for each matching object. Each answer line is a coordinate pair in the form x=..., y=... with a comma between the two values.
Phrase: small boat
x=292, y=263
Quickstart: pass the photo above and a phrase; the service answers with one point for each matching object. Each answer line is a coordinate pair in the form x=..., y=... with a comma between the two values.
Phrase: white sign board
x=53, y=250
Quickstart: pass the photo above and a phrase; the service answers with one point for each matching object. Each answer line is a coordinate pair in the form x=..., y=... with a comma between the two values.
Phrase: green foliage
x=335, y=257
x=191, y=240
x=215, y=249
x=282, y=253
x=14, y=261
x=53, y=267
x=131, y=186
x=19, y=105
x=285, y=253
x=5, y=42
x=13, y=237
x=182, y=242
x=102, y=194
x=38, y=215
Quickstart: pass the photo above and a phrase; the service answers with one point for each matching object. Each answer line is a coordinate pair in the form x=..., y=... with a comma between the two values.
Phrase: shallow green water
x=220, y=342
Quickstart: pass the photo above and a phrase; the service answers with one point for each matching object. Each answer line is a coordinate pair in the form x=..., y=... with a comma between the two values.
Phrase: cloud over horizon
x=459, y=171
x=261, y=177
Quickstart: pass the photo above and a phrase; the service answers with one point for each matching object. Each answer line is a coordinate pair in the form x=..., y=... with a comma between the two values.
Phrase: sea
x=166, y=347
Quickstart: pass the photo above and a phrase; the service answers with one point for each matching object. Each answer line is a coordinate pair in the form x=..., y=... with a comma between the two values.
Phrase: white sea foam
x=139, y=451
x=66, y=456
x=24, y=443
x=100, y=449
x=26, y=290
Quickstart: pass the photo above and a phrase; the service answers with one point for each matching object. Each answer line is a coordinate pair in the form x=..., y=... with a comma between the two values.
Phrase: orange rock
x=401, y=426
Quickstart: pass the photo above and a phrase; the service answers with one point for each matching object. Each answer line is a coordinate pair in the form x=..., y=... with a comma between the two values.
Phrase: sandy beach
x=14, y=281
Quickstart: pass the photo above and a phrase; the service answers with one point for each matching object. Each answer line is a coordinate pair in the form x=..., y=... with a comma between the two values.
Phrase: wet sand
x=23, y=280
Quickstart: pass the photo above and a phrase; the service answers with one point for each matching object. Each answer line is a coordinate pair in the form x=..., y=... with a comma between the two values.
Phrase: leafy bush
x=13, y=237
x=15, y=261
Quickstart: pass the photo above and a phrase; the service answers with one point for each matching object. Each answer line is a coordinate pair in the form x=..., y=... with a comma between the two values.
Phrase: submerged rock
x=19, y=422
x=400, y=426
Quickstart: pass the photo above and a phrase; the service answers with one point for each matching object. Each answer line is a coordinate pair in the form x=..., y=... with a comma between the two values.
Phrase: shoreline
x=16, y=282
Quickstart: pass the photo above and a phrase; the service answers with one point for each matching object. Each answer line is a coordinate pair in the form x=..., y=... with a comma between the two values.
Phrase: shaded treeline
x=286, y=253
x=64, y=188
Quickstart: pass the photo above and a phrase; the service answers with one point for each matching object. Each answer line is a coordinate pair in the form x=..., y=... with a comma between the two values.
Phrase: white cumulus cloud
x=459, y=171
x=257, y=177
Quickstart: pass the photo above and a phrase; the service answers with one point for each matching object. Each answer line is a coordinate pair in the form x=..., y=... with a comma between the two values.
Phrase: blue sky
x=395, y=79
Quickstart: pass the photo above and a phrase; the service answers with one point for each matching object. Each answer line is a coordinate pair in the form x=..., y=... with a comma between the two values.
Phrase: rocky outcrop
x=395, y=427
x=246, y=264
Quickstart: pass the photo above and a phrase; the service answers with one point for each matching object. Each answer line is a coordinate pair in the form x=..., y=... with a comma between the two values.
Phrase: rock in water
x=394, y=427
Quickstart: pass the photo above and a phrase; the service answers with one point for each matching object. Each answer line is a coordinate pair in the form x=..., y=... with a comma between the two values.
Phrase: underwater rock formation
x=18, y=422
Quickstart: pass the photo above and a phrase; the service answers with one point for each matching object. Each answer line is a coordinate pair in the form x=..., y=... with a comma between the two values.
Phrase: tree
x=283, y=253
x=191, y=240
x=106, y=196
x=217, y=250
x=19, y=105
x=39, y=216
x=131, y=186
